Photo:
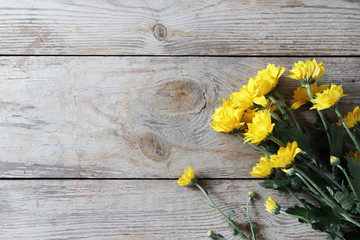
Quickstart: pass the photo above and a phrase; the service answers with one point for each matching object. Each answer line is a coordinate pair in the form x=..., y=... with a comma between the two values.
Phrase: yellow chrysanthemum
x=352, y=119
x=248, y=115
x=262, y=169
x=285, y=155
x=245, y=97
x=260, y=127
x=301, y=96
x=306, y=72
x=355, y=155
x=227, y=118
x=187, y=179
x=272, y=206
x=328, y=97
x=267, y=79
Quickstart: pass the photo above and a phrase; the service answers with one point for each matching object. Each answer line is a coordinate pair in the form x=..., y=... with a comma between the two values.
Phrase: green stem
x=318, y=189
x=349, y=181
x=321, y=115
x=276, y=117
x=218, y=209
x=281, y=109
x=295, y=216
x=277, y=141
x=296, y=197
x=326, y=199
x=315, y=194
x=348, y=218
x=257, y=147
x=321, y=173
x=347, y=128
x=251, y=225
x=296, y=120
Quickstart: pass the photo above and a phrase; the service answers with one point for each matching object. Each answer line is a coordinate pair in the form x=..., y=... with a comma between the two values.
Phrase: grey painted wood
x=136, y=209
x=171, y=27
x=132, y=116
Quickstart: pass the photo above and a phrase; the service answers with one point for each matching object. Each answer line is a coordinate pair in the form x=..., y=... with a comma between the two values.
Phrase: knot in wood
x=154, y=147
x=160, y=32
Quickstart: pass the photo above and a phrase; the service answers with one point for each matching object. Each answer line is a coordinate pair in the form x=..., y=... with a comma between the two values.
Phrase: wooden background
x=103, y=103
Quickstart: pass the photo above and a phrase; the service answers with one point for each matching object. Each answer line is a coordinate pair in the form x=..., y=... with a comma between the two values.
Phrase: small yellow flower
x=267, y=79
x=227, y=118
x=272, y=206
x=301, y=96
x=285, y=155
x=328, y=97
x=352, y=119
x=260, y=128
x=334, y=161
x=187, y=179
x=262, y=169
x=355, y=155
x=306, y=72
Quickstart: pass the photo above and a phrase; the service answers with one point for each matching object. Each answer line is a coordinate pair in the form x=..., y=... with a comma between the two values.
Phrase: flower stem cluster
x=295, y=160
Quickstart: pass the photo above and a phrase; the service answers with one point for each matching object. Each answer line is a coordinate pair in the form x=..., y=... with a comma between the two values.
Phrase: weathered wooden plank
x=129, y=209
x=171, y=27
x=131, y=116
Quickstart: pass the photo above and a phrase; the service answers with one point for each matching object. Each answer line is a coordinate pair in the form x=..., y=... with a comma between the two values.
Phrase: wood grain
x=137, y=209
x=171, y=27
x=142, y=117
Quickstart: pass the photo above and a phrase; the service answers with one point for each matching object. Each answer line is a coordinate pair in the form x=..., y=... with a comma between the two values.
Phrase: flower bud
x=251, y=194
x=334, y=161
x=289, y=172
x=210, y=234
x=272, y=206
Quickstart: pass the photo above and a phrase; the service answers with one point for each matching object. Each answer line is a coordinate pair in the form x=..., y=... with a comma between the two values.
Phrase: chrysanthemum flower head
x=352, y=119
x=187, y=179
x=301, y=96
x=227, y=118
x=306, y=72
x=355, y=155
x=272, y=206
x=328, y=98
x=262, y=169
x=245, y=97
x=285, y=155
x=260, y=128
x=267, y=79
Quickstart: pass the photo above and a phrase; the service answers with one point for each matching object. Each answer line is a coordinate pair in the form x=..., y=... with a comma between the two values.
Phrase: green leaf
x=330, y=190
x=354, y=169
x=295, y=182
x=221, y=236
x=231, y=213
x=331, y=237
x=239, y=234
x=346, y=199
x=322, y=218
x=277, y=184
x=337, y=138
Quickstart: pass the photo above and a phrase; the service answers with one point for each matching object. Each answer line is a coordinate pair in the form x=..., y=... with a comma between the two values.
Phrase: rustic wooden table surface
x=103, y=103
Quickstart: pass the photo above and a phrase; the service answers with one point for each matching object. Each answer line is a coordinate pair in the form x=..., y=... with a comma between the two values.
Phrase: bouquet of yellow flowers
x=296, y=162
